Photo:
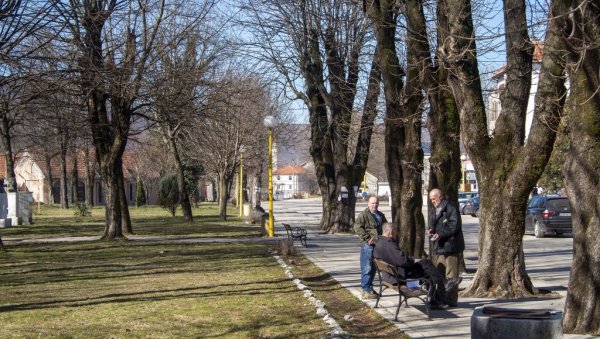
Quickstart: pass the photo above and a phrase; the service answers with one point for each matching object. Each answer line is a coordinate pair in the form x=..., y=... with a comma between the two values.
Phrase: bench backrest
x=386, y=267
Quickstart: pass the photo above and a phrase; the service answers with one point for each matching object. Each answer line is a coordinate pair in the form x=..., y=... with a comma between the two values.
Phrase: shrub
x=82, y=209
x=191, y=172
x=168, y=193
x=140, y=193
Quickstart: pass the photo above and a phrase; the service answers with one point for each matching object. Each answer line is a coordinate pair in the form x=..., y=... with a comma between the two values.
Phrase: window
x=540, y=203
x=532, y=202
x=278, y=178
x=290, y=177
x=290, y=186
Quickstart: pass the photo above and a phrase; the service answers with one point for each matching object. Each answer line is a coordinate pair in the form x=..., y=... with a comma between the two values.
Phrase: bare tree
x=506, y=166
x=404, y=156
x=579, y=23
x=321, y=46
x=20, y=25
x=229, y=126
x=177, y=87
x=442, y=118
x=20, y=22
x=112, y=61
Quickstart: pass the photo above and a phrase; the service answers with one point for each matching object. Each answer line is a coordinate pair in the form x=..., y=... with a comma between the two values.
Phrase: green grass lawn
x=153, y=289
x=51, y=221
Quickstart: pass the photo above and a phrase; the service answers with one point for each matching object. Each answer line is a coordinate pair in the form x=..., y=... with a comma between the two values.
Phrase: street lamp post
x=270, y=122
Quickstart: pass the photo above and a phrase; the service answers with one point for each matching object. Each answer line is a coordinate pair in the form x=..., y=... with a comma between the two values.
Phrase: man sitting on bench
x=386, y=249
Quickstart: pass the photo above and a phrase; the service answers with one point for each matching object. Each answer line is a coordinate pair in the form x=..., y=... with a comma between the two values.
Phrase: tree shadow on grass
x=93, y=261
x=216, y=291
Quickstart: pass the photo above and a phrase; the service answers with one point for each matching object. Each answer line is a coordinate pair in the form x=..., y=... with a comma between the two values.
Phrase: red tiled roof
x=538, y=53
x=290, y=169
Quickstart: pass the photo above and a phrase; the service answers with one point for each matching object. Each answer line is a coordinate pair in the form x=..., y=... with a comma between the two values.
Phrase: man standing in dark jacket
x=368, y=227
x=445, y=230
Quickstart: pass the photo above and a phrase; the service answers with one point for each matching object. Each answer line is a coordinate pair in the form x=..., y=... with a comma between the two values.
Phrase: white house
x=291, y=181
x=494, y=106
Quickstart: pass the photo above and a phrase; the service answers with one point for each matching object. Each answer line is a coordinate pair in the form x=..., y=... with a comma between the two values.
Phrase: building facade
x=44, y=182
x=494, y=103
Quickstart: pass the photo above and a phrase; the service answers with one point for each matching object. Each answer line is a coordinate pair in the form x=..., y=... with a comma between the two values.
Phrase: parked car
x=472, y=207
x=548, y=214
x=462, y=200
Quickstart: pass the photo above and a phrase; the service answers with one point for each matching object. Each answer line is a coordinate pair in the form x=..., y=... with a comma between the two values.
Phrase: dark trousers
x=426, y=268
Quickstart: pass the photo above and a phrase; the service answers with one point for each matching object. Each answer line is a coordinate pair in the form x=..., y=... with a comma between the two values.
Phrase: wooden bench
x=423, y=292
x=295, y=233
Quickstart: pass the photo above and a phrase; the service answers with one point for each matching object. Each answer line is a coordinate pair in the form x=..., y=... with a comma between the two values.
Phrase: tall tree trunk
x=411, y=206
x=89, y=178
x=331, y=83
x=123, y=203
x=48, y=163
x=10, y=180
x=104, y=78
x=74, y=175
x=404, y=156
x=442, y=120
x=112, y=209
x=582, y=310
x=184, y=199
x=223, y=193
x=64, y=191
x=395, y=133
x=506, y=167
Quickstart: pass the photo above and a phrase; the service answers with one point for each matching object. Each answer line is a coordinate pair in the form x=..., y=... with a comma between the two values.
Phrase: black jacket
x=387, y=250
x=449, y=226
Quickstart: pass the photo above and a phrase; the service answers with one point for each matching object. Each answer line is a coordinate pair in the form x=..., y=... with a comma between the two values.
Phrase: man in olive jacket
x=368, y=227
x=445, y=230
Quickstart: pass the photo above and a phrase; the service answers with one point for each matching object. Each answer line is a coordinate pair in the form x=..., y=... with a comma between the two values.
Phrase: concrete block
x=488, y=326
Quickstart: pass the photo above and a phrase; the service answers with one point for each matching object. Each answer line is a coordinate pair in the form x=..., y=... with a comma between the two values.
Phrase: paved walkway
x=548, y=264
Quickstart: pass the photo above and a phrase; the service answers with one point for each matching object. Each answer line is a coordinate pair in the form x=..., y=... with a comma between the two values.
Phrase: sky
x=488, y=21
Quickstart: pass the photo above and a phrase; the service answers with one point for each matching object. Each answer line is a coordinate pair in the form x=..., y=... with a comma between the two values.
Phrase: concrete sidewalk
x=338, y=255
x=547, y=263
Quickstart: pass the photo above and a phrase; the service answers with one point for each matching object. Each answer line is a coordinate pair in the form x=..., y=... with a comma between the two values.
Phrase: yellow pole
x=463, y=182
x=271, y=219
x=241, y=201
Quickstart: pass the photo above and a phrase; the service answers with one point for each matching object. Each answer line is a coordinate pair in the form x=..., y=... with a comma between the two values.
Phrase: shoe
x=438, y=306
x=452, y=283
x=369, y=295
